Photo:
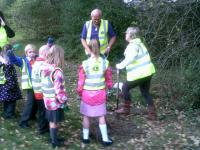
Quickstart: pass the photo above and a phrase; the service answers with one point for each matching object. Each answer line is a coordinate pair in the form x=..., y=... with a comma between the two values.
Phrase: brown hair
x=94, y=46
x=55, y=55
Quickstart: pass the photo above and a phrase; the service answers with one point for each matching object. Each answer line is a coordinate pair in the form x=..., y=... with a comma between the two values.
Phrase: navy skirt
x=55, y=115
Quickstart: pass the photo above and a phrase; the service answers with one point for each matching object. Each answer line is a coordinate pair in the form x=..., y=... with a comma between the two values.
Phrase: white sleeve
x=130, y=53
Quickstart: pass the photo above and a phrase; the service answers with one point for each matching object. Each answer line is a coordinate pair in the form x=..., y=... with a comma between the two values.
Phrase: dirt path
x=174, y=130
x=135, y=131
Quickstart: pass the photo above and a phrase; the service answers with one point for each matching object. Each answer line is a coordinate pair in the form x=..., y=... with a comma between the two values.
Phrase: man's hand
x=107, y=50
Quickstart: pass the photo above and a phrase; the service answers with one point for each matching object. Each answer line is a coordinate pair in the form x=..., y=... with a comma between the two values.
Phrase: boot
x=151, y=113
x=54, y=140
x=125, y=110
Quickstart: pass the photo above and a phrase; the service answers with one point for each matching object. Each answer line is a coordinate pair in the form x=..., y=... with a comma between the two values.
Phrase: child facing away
x=43, y=124
x=25, y=63
x=9, y=88
x=95, y=75
x=54, y=93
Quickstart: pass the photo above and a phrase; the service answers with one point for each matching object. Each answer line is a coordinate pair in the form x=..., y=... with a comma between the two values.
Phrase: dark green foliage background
x=171, y=31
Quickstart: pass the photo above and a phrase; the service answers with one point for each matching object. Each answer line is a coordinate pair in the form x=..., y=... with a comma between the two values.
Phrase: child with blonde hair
x=53, y=88
x=25, y=63
x=95, y=76
x=36, y=82
x=9, y=88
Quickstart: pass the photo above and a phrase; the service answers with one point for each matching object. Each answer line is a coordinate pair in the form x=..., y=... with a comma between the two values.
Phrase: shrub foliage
x=171, y=30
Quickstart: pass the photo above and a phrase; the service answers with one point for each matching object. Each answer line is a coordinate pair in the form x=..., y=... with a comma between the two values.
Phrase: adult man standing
x=99, y=29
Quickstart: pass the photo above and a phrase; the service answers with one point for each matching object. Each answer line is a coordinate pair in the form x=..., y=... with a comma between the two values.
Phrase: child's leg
x=86, y=125
x=9, y=109
x=53, y=132
x=42, y=121
x=26, y=114
x=34, y=111
x=103, y=128
x=53, y=135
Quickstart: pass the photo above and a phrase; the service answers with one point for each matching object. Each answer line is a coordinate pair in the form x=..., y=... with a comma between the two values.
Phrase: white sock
x=85, y=133
x=104, y=133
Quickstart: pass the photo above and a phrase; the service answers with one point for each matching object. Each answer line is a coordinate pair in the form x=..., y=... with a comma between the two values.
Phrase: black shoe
x=86, y=141
x=43, y=131
x=33, y=118
x=107, y=143
x=58, y=144
x=24, y=126
x=8, y=117
x=62, y=140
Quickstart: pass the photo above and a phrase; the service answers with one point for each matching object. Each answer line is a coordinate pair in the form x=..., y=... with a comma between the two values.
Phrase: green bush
x=191, y=83
x=171, y=31
x=74, y=16
x=35, y=19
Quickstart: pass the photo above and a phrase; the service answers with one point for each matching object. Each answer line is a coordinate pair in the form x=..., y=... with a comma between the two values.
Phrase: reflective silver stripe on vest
x=87, y=27
x=94, y=76
x=138, y=66
x=143, y=55
x=95, y=84
x=104, y=31
x=47, y=88
x=37, y=88
x=2, y=76
x=36, y=80
x=49, y=85
x=24, y=73
x=48, y=91
x=24, y=79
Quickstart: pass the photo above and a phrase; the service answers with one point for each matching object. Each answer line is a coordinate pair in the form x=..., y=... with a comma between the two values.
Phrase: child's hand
x=79, y=92
x=78, y=97
x=9, y=52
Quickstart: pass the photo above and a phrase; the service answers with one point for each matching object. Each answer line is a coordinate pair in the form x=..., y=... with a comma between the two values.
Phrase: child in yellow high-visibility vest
x=95, y=76
x=25, y=63
x=54, y=93
x=9, y=88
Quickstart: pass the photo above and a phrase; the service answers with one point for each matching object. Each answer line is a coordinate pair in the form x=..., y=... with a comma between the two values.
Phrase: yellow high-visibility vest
x=36, y=77
x=2, y=75
x=103, y=37
x=3, y=37
x=95, y=74
x=26, y=81
x=48, y=89
x=142, y=66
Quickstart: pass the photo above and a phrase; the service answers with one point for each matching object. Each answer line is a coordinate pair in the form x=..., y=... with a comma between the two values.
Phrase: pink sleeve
x=108, y=76
x=81, y=80
x=59, y=86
